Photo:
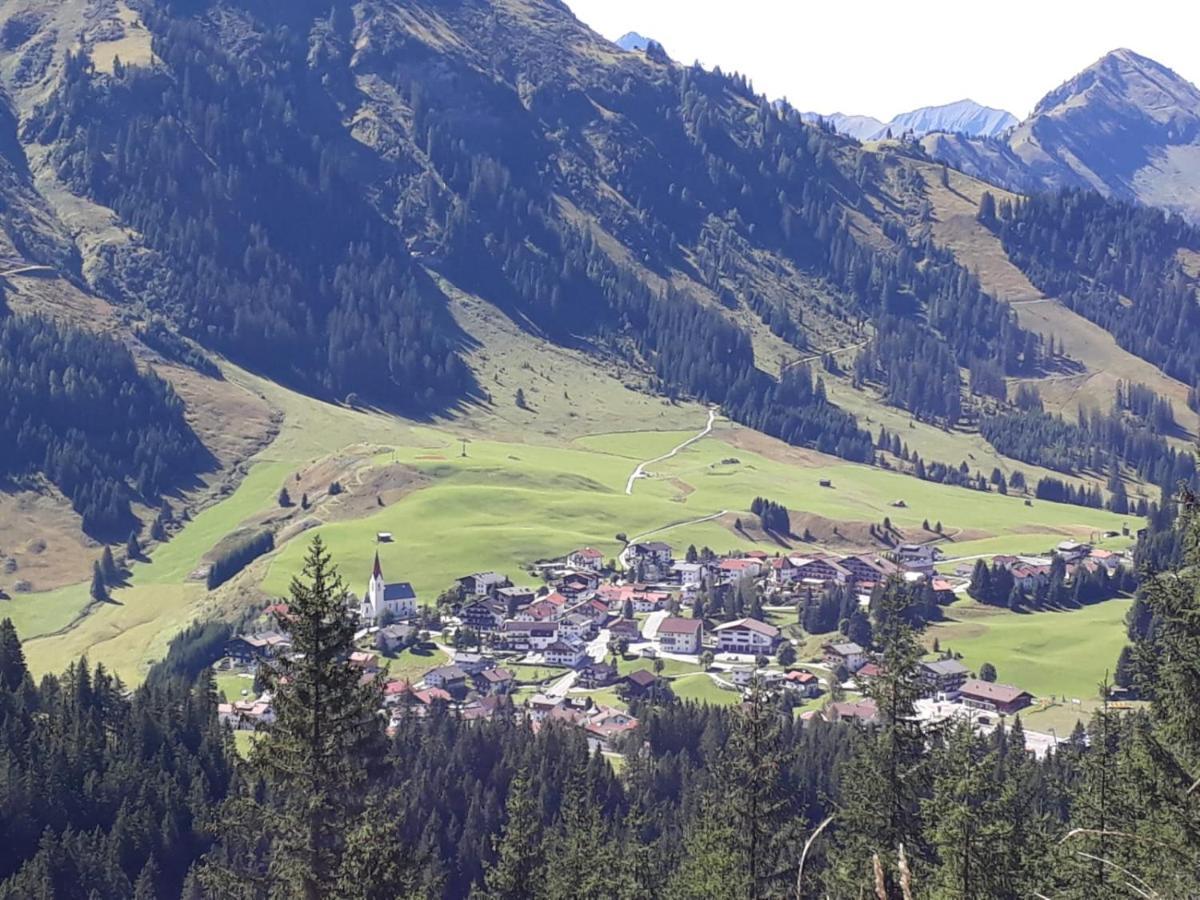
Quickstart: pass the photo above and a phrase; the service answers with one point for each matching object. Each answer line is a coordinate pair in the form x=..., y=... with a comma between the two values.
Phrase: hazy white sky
x=882, y=57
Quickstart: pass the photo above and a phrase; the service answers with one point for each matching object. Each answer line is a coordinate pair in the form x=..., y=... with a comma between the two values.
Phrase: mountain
x=961, y=117
x=1126, y=127
x=964, y=116
x=635, y=42
x=862, y=128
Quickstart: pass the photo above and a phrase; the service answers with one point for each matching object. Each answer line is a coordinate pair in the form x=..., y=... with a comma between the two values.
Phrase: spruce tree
x=314, y=760
x=519, y=856
x=133, y=549
x=99, y=589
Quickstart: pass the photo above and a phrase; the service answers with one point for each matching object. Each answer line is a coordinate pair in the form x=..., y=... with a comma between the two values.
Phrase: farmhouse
x=597, y=675
x=565, y=653
x=847, y=653
x=481, y=583
x=446, y=677
x=586, y=558
x=1001, y=698
x=746, y=636
x=483, y=616
x=391, y=638
x=676, y=635
x=494, y=681
x=803, y=682
x=917, y=557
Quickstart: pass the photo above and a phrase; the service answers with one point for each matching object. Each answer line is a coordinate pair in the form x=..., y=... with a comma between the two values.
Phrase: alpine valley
x=464, y=289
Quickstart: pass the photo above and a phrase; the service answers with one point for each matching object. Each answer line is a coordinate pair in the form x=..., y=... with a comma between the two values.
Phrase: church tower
x=373, y=602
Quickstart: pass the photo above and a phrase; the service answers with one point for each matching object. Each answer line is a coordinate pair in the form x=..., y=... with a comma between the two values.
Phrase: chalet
x=733, y=569
x=539, y=706
x=688, y=574
x=490, y=706
x=783, y=570
x=607, y=723
x=1072, y=551
x=395, y=637
x=1001, y=698
x=247, y=714
x=577, y=584
x=847, y=653
x=625, y=628
x=547, y=609
x=746, y=636
x=597, y=675
x=586, y=558
x=364, y=660
x=743, y=676
x=917, y=557
x=529, y=635
x=640, y=682
x=803, y=682
x=852, y=711
x=482, y=583
x=867, y=672
x=473, y=663
x=943, y=676
x=649, y=601
x=447, y=678
x=565, y=653
x=577, y=626
x=866, y=569
x=494, y=681
x=819, y=571
x=594, y=609
x=652, y=557
x=483, y=616
x=515, y=597
x=246, y=648
x=396, y=692
x=676, y=635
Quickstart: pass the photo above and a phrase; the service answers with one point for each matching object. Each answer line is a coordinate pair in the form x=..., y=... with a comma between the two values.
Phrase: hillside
x=484, y=219
x=962, y=117
x=1126, y=127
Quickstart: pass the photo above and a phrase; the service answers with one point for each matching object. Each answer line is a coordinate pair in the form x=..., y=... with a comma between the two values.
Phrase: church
x=386, y=602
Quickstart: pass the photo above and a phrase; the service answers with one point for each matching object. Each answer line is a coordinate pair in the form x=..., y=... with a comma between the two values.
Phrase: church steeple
x=378, y=571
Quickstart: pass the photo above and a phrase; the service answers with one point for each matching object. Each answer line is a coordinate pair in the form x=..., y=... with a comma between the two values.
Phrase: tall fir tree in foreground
x=879, y=834
x=310, y=772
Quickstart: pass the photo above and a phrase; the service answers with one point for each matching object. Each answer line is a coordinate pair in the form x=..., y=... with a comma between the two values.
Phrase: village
x=598, y=637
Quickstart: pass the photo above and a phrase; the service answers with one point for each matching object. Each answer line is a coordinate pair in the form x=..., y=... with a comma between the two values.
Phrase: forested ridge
x=78, y=411
x=711, y=802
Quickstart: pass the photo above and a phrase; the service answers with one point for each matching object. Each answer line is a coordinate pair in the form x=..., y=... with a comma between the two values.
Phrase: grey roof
x=849, y=648
x=401, y=590
x=945, y=667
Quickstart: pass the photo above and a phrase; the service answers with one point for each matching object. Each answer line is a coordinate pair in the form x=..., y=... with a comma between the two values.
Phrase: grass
x=531, y=675
x=702, y=689
x=671, y=667
x=244, y=740
x=231, y=684
x=1063, y=654
x=413, y=662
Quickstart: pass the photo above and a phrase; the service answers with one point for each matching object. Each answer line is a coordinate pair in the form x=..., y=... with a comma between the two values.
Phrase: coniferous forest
x=78, y=411
x=111, y=794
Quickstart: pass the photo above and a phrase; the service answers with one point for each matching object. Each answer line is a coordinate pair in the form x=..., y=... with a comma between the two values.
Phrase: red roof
x=588, y=553
x=677, y=625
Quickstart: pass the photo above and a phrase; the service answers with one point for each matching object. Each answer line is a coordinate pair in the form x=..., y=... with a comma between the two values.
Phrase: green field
x=1047, y=653
x=504, y=506
x=702, y=689
x=411, y=663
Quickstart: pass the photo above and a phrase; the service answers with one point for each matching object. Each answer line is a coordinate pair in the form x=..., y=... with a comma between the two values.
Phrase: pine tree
x=108, y=566
x=99, y=590
x=314, y=760
x=519, y=854
x=285, y=499
x=133, y=549
x=886, y=778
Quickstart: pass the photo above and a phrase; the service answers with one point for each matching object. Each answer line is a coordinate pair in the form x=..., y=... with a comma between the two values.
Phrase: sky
x=883, y=57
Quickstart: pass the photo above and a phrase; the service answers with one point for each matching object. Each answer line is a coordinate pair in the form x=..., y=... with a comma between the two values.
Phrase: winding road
x=640, y=471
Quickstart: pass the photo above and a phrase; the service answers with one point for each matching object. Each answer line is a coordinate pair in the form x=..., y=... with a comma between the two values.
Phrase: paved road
x=598, y=646
x=650, y=626
x=562, y=686
x=640, y=471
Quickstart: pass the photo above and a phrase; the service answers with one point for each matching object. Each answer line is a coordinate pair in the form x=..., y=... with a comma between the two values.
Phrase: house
x=571, y=654
x=481, y=583
x=447, y=678
x=247, y=648
x=473, y=663
x=640, y=682
x=943, y=676
x=577, y=584
x=515, y=597
x=247, y=714
x=865, y=569
x=689, y=574
x=483, y=616
x=625, y=628
x=653, y=558
x=783, y=570
x=577, y=626
x=818, y=570
x=596, y=675
x=490, y=706
x=539, y=706
x=386, y=602
x=803, y=682
x=733, y=569
x=867, y=672
x=917, y=557
x=495, y=681
x=586, y=558
x=1072, y=551
x=676, y=635
x=743, y=676
x=863, y=711
x=364, y=660
x=746, y=636
x=529, y=635
x=649, y=601
x=544, y=610
x=847, y=654
x=395, y=637
x=1001, y=698
x=594, y=609
x=607, y=723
